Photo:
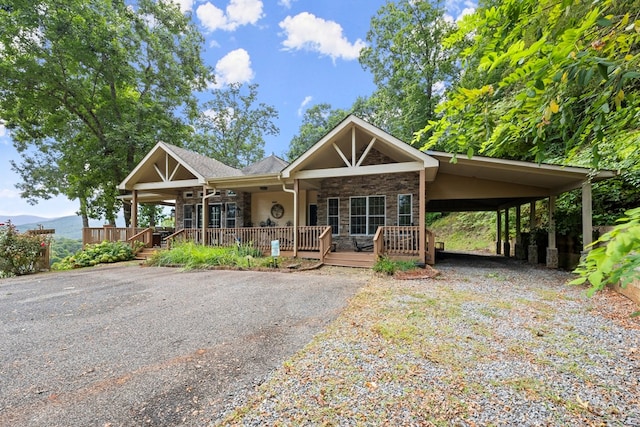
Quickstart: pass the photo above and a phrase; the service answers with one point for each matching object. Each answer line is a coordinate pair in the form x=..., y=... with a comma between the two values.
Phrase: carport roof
x=484, y=183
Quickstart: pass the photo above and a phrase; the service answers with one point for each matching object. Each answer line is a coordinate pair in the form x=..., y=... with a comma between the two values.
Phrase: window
x=187, y=219
x=405, y=211
x=187, y=194
x=366, y=215
x=231, y=215
x=333, y=214
x=214, y=216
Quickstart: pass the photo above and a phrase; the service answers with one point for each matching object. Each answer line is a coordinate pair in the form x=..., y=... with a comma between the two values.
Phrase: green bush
x=616, y=257
x=191, y=255
x=101, y=253
x=19, y=253
x=389, y=267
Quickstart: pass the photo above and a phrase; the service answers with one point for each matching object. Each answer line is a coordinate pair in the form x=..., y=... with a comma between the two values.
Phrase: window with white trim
x=214, y=215
x=187, y=217
x=333, y=214
x=405, y=211
x=366, y=214
x=231, y=215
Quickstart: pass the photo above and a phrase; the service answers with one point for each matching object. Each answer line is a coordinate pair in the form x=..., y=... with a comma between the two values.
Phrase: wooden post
x=498, y=232
x=507, y=241
x=134, y=210
x=422, y=207
x=587, y=216
x=552, y=251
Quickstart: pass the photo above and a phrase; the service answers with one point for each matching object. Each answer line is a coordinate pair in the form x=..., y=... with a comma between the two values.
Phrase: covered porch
x=313, y=242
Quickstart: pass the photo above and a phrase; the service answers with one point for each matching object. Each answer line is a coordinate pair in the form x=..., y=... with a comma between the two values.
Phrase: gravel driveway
x=127, y=345
x=490, y=342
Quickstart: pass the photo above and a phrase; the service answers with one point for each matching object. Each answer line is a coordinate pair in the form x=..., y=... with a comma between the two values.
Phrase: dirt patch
x=427, y=272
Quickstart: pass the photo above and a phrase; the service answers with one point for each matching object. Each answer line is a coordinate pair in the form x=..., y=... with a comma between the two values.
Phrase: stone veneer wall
x=242, y=200
x=371, y=185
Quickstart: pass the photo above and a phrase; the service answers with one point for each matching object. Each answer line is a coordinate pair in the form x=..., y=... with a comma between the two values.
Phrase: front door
x=313, y=214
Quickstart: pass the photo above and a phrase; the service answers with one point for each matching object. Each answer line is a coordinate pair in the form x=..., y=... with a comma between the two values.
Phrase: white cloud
x=237, y=13
x=8, y=193
x=3, y=133
x=286, y=3
x=305, y=31
x=456, y=9
x=234, y=67
x=303, y=104
x=185, y=5
x=439, y=87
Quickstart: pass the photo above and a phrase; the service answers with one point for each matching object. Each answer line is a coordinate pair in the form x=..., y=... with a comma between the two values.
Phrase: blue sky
x=299, y=52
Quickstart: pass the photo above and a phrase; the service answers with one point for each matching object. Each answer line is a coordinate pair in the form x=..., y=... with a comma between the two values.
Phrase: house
x=356, y=194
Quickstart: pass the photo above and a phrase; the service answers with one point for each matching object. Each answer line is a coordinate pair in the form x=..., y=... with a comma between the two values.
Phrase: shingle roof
x=205, y=166
x=271, y=164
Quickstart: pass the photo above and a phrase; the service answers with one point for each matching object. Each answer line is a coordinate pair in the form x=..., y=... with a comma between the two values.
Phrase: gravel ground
x=124, y=345
x=489, y=342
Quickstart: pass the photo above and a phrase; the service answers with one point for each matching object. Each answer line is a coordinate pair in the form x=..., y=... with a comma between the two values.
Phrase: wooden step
x=145, y=253
x=350, y=259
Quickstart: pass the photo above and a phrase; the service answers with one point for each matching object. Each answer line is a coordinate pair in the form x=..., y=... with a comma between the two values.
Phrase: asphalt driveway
x=130, y=345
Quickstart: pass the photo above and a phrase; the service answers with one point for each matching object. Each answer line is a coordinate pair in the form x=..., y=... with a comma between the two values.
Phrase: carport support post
x=507, y=242
x=422, y=220
x=498, y=232
x=552, y=251
x=520, y=253
x=587, y=217
x=205, y=215
x=533, y=247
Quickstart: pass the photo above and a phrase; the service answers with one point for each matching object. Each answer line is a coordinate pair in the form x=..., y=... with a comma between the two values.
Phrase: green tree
x=409, y=64
x=316, y=123
x=545, y=80
x=88, y=86
x=233, y=125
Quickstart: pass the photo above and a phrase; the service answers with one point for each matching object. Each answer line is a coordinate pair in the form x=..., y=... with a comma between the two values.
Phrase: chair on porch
x=361, y=247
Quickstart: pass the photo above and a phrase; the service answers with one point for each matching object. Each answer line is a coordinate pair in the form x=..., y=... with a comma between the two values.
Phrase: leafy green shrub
x=101, y=253
x=618, y=260
x=191, y=255
x=19, y=253
x=389, y=267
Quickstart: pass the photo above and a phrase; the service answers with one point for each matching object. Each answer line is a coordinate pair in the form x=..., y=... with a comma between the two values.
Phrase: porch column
x=507, y=240
x=422, y=220
x=296, y=189
x=205, y=215
x=552, y=251
x=134, y=210
x=587, y=217
x=520, y=253
x=533, y=247
x=498, y=232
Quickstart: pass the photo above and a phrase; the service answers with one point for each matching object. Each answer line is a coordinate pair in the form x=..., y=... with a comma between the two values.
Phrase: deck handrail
x=145, y=236
x=325, y=242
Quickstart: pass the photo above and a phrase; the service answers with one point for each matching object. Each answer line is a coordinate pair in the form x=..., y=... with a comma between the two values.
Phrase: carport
x=489, y=184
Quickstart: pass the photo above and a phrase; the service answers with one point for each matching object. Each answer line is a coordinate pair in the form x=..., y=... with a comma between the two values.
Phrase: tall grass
x=191, y=256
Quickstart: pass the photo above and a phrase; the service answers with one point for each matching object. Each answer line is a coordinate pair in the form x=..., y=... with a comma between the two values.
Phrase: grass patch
x=191, y=256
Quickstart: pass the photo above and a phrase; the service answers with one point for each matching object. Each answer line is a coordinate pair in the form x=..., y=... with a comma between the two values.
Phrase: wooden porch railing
x=145, y=236
x=403, y=241
x=93, y=235
x=325, y=243
x=259, y=237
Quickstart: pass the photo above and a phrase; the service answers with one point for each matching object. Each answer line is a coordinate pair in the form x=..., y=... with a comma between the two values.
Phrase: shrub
x=20, y=253
x=389, y=266
x=101, y=253
x=191, y=255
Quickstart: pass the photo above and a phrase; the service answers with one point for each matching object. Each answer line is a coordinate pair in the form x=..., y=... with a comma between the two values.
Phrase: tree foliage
x=616, y=258
x=545, y=79
x=233, y=125
x=317, y=121
x=409, y=63
x=88, y=86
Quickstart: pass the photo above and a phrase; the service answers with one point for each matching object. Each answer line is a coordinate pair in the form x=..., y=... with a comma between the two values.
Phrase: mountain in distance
x=69, y=227
x=24, y=219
